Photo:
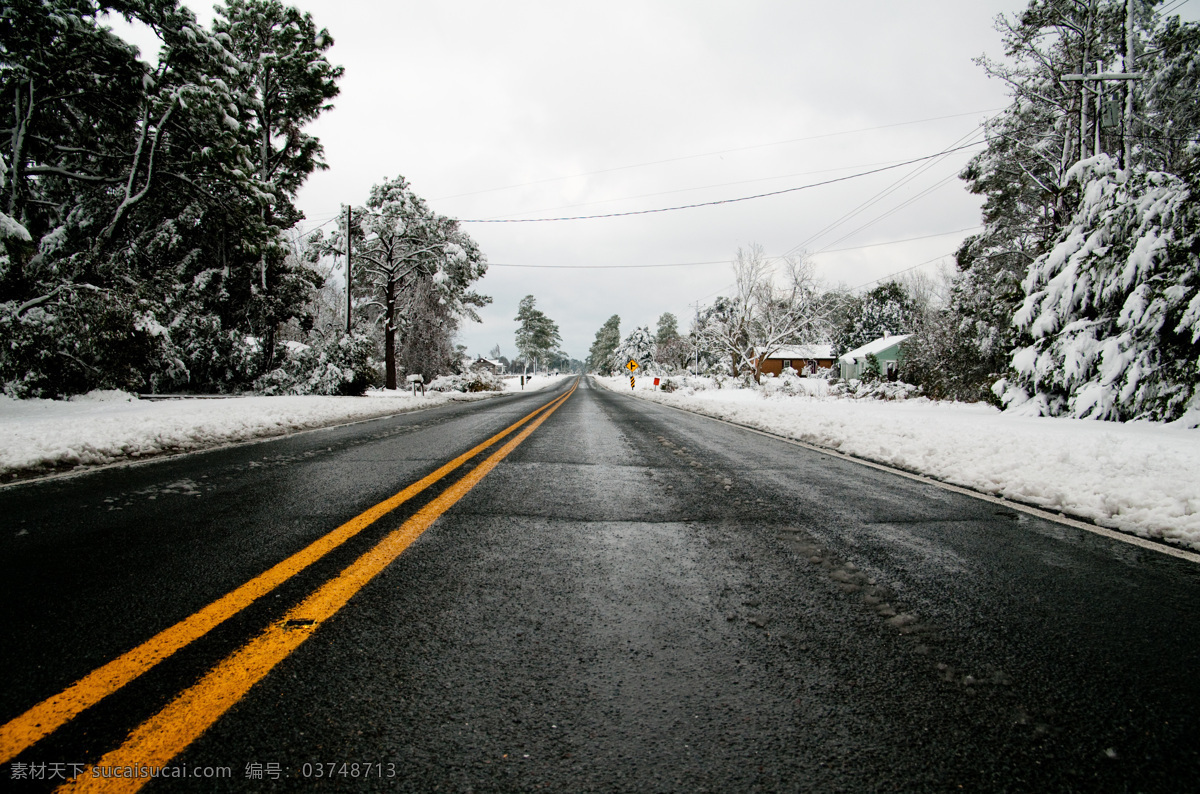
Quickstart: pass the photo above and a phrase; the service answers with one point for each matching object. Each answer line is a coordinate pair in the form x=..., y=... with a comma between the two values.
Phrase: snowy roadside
x=105, y=427
x=1138, y=477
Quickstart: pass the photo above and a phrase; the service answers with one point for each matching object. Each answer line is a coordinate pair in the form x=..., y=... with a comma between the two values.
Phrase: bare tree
x=788, y=313
x=768, y=311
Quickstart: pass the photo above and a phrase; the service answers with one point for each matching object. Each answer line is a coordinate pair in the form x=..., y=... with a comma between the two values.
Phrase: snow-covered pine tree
x=537, y=335
x=1113, y=310
x=285, y=83
x=1022, y=173
x=885, y=310
x=638, y=346
x=412, y=272
x=143, y=203
x=1090, y=228
x=604, y=347
x=1086, y=223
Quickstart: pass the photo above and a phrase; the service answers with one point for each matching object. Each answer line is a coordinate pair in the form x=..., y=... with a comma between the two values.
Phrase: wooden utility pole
x=1128, y=66
x=1099, y=78
x=1127, y=75
x=349, y=319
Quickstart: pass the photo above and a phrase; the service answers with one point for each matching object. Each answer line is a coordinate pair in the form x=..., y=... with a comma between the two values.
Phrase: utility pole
x=348, y=297
x=1099, y=79
x=1127, y=66
x=1127, y=75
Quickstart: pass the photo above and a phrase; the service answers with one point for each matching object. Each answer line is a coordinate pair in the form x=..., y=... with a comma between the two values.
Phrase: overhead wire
x=901, y=272
x=722, y=201
x=713, y=154
x=702, y=187
x=721, y=261
x=887, y=191
x=908, y=202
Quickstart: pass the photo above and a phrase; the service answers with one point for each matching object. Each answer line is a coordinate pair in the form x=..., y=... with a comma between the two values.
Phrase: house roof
x=874, y=347
x=803, y=352
x=491, y=361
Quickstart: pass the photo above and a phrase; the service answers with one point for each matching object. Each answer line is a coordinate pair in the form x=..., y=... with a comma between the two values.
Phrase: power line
x=1172, y=7
x=712, y=154
x=721, y=201
x=882, y=194
x=899, y=272
x=931, y=189
x=611, y=267
x=702, y=187
x=897, y=242
x=722, y=261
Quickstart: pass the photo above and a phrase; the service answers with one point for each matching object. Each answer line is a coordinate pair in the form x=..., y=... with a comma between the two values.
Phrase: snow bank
x=1139, y=477
x=107, y=426
x=102, y=427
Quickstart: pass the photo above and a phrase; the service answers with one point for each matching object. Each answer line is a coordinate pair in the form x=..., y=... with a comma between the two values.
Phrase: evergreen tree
x=286, y=83
x=600, y=355
x=1067, y=198
x=638, y=346
x=144, y=207
x=412, y=270
x=668, y=329
x=537, y=336
x=1112, y=312
x=886, y=310
x=673, y=351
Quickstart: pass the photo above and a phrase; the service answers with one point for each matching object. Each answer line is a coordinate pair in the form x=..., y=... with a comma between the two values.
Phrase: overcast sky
x=528, y=110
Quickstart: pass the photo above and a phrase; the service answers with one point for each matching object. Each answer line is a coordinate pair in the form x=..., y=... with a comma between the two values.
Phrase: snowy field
x=105, y=427
x=1138, y=477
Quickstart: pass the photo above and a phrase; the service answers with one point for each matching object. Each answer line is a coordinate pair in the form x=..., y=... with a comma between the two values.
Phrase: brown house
x=805, y=359
x=487, y=365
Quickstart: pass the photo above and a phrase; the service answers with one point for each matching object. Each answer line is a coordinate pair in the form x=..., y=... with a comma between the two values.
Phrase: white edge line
x=1057, y=518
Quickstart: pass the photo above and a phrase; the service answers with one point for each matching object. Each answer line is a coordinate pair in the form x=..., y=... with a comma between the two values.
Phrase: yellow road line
x=48, y=716
x=159, y=739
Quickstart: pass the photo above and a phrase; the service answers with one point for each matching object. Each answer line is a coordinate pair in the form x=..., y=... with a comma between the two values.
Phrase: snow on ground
x=1139, y=477
x=103, y=427
x=532, y=383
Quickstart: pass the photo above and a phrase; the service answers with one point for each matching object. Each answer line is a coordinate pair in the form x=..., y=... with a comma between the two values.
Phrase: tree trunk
x=389, y=332
x=268, y=344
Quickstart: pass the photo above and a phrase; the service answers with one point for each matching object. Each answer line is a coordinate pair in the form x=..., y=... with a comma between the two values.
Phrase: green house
x=886, y=350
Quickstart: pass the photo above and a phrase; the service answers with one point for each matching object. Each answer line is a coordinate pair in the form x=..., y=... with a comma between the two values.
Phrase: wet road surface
x=632, y=599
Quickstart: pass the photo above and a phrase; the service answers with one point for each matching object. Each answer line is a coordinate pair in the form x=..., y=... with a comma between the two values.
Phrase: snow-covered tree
x=537, y=335
x=1113, y=310
x=143, y=203
x=604, y=347
x=285, y=83
x=1037, y=197
x=638, y=346
x=885, y=310
x=763, y=314
x=942, y=357
x=412, y=270
x=673, y=350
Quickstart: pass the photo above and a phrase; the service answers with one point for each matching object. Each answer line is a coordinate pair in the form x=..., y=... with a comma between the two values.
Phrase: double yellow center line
x=183, y=720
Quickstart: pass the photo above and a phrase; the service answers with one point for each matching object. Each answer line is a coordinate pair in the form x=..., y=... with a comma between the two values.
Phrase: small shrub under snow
x=467, y=382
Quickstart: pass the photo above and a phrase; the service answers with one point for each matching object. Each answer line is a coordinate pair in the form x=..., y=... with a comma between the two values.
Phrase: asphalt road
x=632, y=599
